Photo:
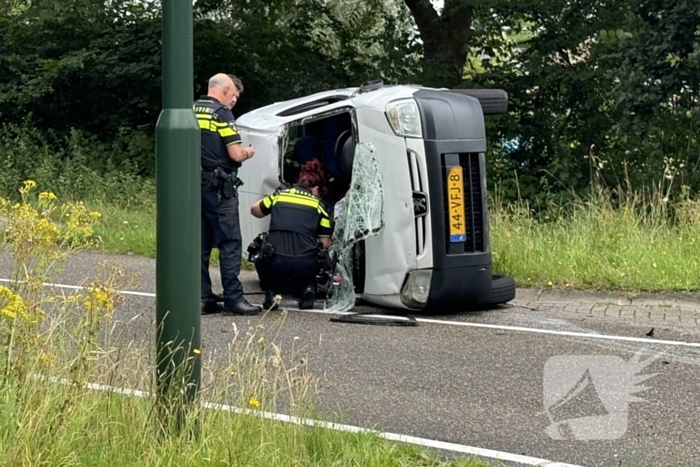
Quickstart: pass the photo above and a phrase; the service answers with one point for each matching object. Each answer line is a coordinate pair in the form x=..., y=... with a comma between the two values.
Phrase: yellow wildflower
x=46, y=359
x=254, y=402
x=197, y=351
x=28, y=185
x=100, y=299
x=13, y=304
x=47, y=196
x=261, y=340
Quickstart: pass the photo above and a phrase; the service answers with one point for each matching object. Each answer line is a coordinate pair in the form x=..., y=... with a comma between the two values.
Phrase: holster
x=255, y=246
x=226, y=184
x=267, y=252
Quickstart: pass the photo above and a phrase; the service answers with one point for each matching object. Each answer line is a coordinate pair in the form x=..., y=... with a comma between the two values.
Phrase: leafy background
x=603, y=91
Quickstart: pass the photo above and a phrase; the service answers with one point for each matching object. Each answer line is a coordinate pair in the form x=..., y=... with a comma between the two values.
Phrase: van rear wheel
x=493, y=101
x=502, y=290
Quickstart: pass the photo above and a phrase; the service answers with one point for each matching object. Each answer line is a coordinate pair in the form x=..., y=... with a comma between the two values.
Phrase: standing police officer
x=222, y=155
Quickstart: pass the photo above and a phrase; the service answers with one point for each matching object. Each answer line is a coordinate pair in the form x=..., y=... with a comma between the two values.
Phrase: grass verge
x=631, y=243
x=126, y=230
x=132, y=231
x=62, y=422
x=65, y=424
x=54, y=347
x=634, y=243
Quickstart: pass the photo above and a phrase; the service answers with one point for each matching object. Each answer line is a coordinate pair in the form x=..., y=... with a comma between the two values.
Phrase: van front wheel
x=502, y=290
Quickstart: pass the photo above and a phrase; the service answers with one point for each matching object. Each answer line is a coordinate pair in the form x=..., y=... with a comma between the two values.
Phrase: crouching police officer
x=222, y=155
x=291, y=248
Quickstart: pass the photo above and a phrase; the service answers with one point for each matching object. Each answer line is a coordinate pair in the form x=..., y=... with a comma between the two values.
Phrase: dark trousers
x=300, y=272
x=220, y=224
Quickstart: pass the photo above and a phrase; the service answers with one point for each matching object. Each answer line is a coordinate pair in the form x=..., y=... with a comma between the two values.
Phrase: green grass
x=638, y=243
x=126, y=230
x=60, y=421
x=133, y=231
x=113, y=430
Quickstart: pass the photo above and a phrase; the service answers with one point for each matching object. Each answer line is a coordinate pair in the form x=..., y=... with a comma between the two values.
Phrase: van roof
x=272, y=117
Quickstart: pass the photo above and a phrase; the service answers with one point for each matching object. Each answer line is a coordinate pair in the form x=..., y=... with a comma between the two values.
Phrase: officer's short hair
x=237, y=82
x=216, y=82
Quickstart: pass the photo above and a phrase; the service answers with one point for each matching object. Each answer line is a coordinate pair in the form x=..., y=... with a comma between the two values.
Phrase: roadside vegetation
x=607, y=239
x=613, y=237
x=80, y=93
x=627, y=240
x=65, y=365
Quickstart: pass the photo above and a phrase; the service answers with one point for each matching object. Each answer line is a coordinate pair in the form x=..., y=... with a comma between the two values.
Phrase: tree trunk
x=445, y=40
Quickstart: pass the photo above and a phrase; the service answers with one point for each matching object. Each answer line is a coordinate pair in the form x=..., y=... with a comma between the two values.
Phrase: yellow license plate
x=455, y=198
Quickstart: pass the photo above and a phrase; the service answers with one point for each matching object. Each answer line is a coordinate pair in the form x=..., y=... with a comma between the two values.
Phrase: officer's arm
x=263, y=207
x=238, y=153
x=255, y=209
x=324, y=229
x=232, y=139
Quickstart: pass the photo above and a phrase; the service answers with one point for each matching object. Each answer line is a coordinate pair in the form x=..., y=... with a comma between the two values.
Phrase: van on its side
x=432, y=252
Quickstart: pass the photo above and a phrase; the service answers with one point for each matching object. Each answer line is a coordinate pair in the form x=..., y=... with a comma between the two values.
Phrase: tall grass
x=631, y=240
x=77, y=166
x=63, y=360
x=635, y=240
x=129, y=229
x=619, y=237
x=62, y=422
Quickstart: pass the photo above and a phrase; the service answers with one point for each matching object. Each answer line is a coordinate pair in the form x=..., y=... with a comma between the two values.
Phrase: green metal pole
x=178, y=218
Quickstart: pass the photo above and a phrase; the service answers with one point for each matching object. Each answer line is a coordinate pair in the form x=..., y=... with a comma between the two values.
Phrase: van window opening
x=331, y=140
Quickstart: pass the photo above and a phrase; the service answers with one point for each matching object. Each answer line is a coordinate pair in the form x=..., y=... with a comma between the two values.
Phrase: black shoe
x=218, y=298
x=243, y=308
x=269, y=303
x=210, y=307
x=307, y=300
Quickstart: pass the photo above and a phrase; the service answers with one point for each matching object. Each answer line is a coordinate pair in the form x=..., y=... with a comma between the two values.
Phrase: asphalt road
x=484, y=386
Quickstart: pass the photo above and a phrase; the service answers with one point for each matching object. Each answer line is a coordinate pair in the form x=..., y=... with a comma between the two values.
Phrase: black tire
x=493, y=101
x=502, y=290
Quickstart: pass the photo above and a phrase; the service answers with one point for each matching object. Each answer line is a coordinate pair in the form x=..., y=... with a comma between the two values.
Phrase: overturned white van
x=430, y=249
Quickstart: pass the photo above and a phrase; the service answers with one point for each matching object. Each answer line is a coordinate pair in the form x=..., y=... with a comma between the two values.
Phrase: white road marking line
x=445, y=323
x=522, y=329
x=79, y=287
x=442, y=445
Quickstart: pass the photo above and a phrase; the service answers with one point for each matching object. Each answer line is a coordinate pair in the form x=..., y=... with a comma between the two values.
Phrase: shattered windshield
x=360, y=217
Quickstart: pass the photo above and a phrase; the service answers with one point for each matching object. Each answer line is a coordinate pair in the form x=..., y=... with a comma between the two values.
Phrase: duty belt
x=226, y=183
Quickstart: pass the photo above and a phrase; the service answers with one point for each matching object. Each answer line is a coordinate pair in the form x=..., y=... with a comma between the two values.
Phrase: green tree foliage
x=598, y=90
x=289, y=48
x=94, y=66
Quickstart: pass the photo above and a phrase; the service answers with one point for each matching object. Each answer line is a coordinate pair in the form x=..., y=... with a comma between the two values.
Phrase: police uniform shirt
x=218, y=130
x=297, y=220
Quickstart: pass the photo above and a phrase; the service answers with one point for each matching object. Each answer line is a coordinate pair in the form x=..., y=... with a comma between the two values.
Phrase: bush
x=78, y=166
